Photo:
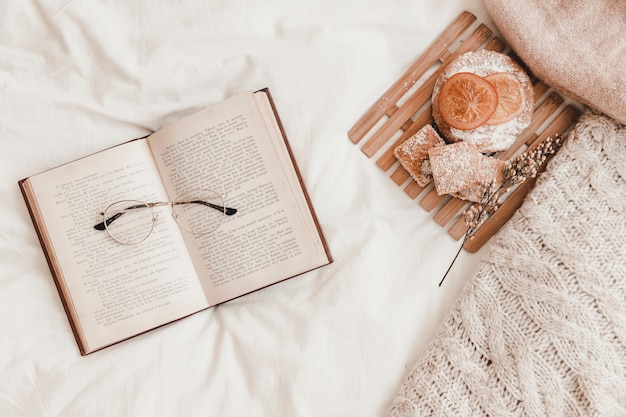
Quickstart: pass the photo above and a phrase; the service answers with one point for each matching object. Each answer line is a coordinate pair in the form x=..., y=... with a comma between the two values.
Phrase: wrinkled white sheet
x=77, y=76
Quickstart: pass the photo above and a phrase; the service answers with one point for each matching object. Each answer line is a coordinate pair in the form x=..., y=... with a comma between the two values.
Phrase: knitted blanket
x=540, y=330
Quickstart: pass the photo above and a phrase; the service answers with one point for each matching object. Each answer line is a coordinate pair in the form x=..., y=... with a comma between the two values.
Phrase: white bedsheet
x=77, y=76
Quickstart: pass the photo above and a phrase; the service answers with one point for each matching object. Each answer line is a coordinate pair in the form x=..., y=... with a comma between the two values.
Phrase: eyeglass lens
x=199, y=211
x=133, y=221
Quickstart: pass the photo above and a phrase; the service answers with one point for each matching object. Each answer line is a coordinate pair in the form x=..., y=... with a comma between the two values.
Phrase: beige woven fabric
x=540, y=330
x=575, y=46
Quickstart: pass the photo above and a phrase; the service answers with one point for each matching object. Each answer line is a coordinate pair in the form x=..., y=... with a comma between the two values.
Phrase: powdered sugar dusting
x=426, y=136
x=488, y=138
x=455, y=167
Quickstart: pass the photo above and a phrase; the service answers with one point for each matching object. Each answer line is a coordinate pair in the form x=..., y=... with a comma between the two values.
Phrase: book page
x=289, y=170
x=228, y=148
x=116, y=290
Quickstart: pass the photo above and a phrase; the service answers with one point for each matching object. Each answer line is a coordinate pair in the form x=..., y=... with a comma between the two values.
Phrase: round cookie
x=487, y=137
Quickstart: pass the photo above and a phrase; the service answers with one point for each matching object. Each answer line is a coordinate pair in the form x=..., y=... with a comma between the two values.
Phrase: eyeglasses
x=197, y=211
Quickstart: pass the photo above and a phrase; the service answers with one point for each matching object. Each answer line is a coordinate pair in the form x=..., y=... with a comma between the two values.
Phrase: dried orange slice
x=510, y=100
x=466, y=101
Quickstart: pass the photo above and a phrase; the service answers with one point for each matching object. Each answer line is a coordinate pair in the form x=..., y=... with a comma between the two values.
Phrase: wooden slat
x=449, y=211
x=410, y=77
x=413, y=190
x=540, y=89
x=432, y=200
x=458, y=229
x=400, y=175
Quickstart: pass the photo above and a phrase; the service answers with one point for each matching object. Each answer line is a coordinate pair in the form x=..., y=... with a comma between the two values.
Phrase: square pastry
x=413, y=154
x=455, y=167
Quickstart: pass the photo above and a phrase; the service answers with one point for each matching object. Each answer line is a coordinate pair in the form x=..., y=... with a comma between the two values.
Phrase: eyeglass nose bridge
x=160, y=204
x=155, y=215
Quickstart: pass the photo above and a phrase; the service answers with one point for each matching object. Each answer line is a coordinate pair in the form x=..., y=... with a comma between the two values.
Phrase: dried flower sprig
x=517, y=170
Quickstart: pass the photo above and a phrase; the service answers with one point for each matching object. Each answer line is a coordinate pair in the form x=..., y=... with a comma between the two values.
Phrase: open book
x=112, y=290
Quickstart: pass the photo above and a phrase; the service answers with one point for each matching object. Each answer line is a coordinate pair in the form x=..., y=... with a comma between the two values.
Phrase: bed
x=80, y=76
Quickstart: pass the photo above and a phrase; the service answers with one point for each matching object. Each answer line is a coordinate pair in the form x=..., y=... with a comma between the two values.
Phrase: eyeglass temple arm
x=227, y=210
x=102, y=225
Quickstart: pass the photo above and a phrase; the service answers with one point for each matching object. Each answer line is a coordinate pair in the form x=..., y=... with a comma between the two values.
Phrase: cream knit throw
x=540, y=330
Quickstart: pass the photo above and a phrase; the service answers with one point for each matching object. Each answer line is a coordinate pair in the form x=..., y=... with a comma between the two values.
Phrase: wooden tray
x=405, y=108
